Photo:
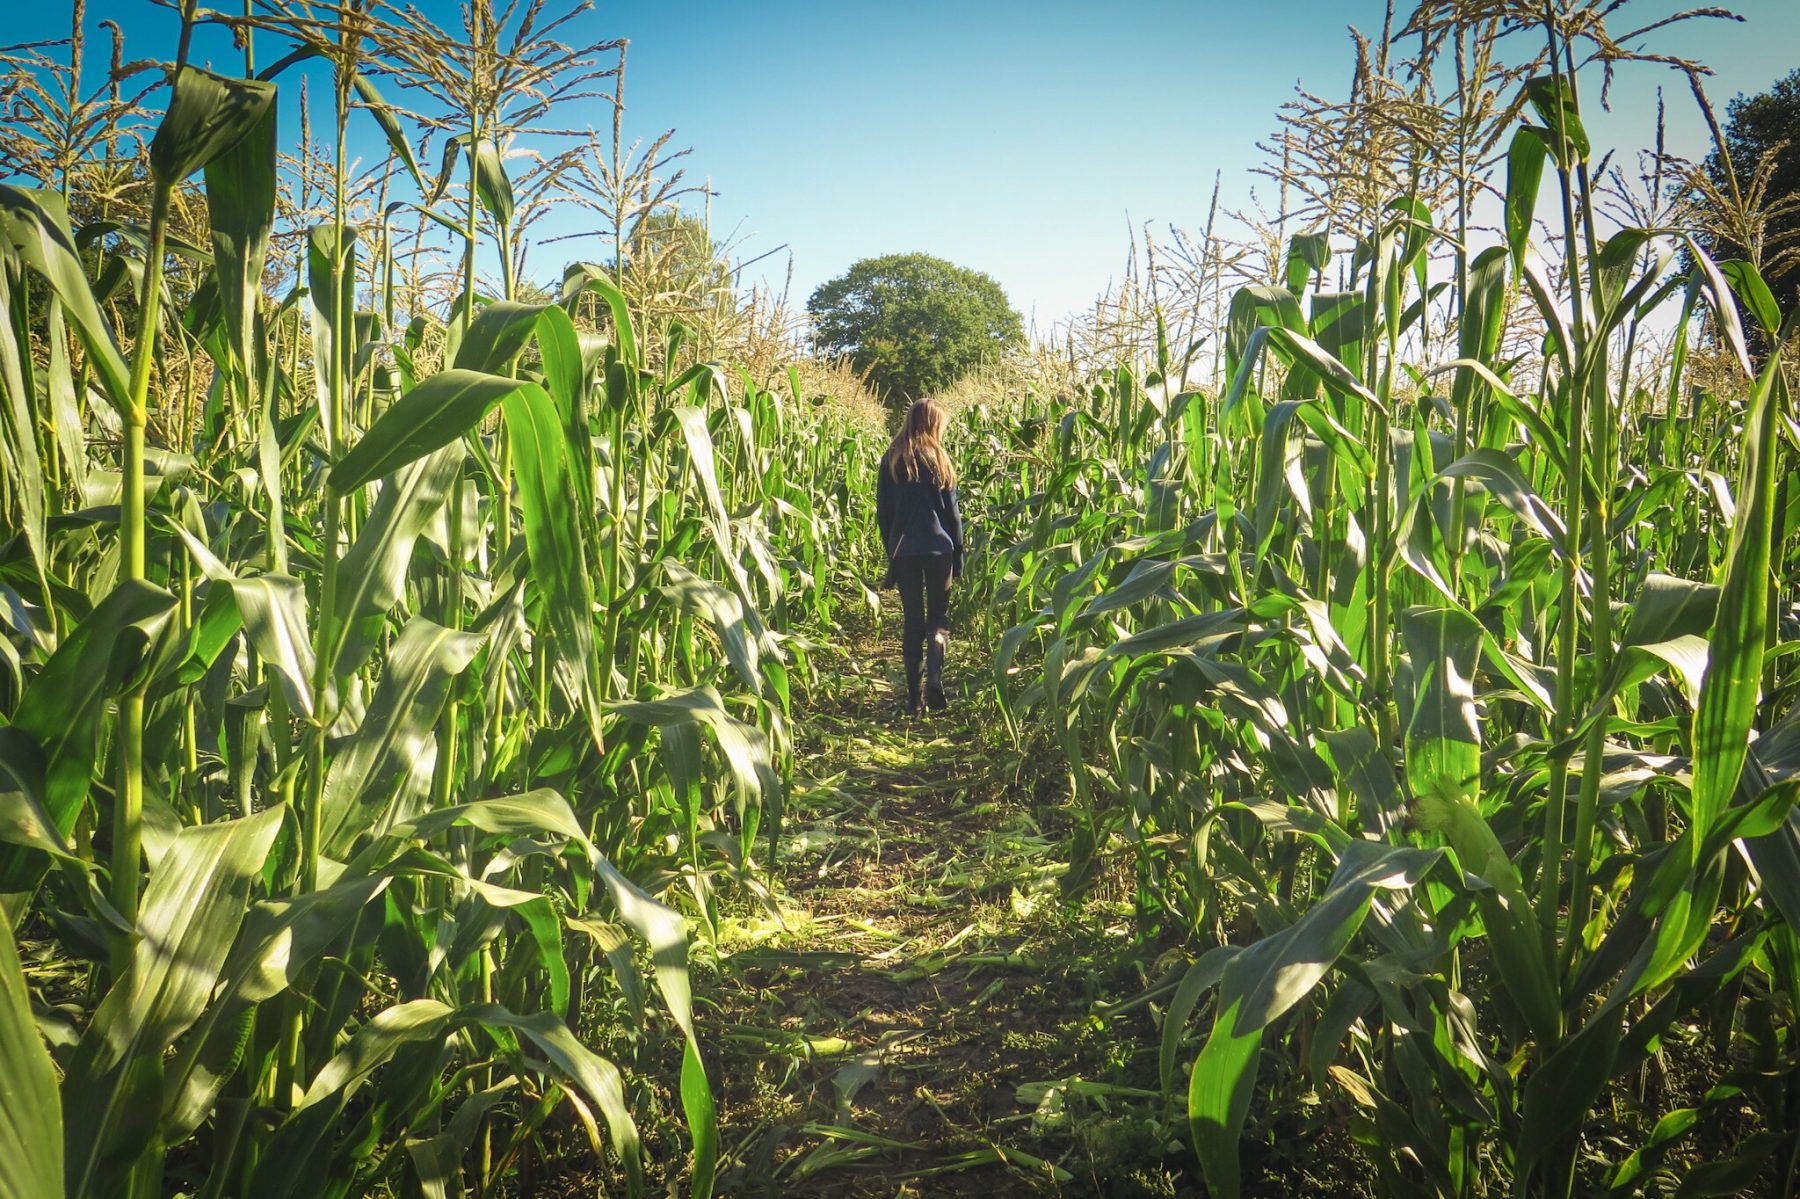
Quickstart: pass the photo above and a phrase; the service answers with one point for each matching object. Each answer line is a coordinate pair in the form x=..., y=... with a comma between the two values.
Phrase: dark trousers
x=924, y=583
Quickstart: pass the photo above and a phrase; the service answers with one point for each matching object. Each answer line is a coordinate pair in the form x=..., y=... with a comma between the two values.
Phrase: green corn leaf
x=384, y=114
x=1524, y=174
x=1670, y=620
x=1741, y=1171
x=34, y=228
x=1308, y=255
x=1687, y=886
x=1147, y=578
x=545, y=927
x=240, y=205
x=726, y=613
x=1708, y=278
x=666, y=933
x=497, y=335
x=1561, y=1091
x=196, y=899
x=1500, y=478
x=372, y=575
x=1730, y=688
x=703, y=462
x=429, y=417
x=1443, y=772
x=566, y=376
x=1553, y=99
x=1340, y=324
x=386, y=765
x=62, y=709
x=1748, y=285
x=65, y=410
x=1299, y=348
x=374, y=1043
x=597, y=1079
x=1559, y=339
x=31, y=1134
x=1200, y=978
x=702, y=1120
x=553, y=538
x=208, y=114
x=1264, y=980
x=1638, y=1168
x=1281, y=470
x=331, y=302
x=1544, y=437
x=1366, y=773
x=437, y=1161
x=279, y=941
x=534, y=812
x=18, y=424
x=1612, y=268
x=447, y=160
x=273, y=608
x=617, y=947
x=745, y=746
x=580, y=277
x=297, y=1161
x=1443, y=739
x=1277, y=972
x=24, y=820
x=491, y=182
x=1178, y=634
x=281, y=938
x=1775, y=760
x=1413, y=224
x=1219, y=1093
x=1251, y=306
x=1484, y=308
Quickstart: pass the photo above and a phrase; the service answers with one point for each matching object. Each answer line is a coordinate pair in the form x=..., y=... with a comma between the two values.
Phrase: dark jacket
x=918, y=519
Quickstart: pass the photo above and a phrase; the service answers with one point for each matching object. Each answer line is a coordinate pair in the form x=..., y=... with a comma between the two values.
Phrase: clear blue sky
x=1013, y=136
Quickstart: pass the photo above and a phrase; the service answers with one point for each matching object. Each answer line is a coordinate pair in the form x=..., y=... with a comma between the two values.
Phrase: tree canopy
x=913, y=323
x=1762, y=132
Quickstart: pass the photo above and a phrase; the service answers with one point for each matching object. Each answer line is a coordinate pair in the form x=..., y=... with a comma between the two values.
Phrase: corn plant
x=1438, y=691
x=358, y=740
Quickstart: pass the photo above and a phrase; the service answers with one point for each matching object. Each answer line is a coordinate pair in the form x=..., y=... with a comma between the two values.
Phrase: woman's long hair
x=918, y=449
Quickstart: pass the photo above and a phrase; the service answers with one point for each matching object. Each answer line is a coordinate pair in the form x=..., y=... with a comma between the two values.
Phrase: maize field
x=430, y=703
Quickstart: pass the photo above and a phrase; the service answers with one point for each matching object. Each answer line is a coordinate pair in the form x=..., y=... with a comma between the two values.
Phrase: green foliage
x=1449, y=732
x=368, y=690
x=913, y=323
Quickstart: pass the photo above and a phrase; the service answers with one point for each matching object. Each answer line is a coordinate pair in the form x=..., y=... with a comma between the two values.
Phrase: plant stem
x=128, y=803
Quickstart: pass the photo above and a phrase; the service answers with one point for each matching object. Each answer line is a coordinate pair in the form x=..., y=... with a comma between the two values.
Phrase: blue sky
x=1019, y=138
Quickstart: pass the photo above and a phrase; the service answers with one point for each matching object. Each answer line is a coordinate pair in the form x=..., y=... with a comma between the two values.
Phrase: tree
x=912, y=323
x=1759, y=218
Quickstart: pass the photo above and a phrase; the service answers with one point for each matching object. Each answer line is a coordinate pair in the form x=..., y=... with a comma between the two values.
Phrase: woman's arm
x=952, y=515
x=884, y=504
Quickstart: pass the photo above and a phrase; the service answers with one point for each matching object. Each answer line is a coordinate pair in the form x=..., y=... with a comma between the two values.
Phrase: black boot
x=912, y=688
x=934, y=671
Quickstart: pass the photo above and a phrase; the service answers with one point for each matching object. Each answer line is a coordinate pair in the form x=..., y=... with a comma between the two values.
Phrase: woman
x=921, y=529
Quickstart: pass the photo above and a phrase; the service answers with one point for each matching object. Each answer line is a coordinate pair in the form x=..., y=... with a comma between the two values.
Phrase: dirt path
x=911, y=1022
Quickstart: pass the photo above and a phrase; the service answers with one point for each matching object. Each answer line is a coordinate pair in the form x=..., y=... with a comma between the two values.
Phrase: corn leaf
x=31, y=1165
